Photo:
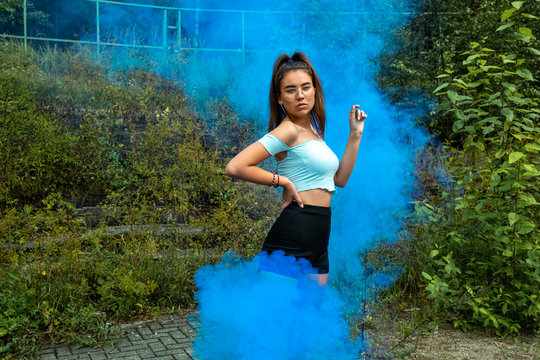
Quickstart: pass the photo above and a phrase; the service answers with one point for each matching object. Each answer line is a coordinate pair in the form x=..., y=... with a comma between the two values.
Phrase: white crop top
x=309, y=165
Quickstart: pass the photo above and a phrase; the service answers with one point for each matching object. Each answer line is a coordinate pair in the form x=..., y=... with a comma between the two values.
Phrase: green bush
x=480, y=236
x=431, y=43
x=73, y=288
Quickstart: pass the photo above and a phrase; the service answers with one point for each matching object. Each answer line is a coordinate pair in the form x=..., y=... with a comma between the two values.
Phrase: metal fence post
x=25, y=26
x=97, y=30
x=165, y=29
x=179, y=29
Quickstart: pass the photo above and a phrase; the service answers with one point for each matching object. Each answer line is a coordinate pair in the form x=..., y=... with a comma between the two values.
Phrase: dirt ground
x=405, y=336
x=473, y=345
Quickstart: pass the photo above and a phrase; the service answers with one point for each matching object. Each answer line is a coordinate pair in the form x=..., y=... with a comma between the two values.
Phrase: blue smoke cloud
x=245, y=314
x=368, y=211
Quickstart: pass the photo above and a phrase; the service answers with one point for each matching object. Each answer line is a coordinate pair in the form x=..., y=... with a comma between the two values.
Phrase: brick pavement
x=168, y=338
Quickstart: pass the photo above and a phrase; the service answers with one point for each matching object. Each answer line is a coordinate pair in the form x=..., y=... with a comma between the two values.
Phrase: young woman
x=308, y=169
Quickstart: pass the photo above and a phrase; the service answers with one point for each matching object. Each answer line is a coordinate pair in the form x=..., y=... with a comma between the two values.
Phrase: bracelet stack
x=274, y=183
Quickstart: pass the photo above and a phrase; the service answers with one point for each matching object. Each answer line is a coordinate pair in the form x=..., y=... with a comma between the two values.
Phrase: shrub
x=482, y=232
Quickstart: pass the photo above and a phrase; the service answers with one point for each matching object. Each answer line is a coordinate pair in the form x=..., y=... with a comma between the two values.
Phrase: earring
x=284, y=109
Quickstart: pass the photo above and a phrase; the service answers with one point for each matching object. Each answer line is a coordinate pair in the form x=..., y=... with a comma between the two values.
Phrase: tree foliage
x=12, y=18
x=479, y=232
x=432, y=42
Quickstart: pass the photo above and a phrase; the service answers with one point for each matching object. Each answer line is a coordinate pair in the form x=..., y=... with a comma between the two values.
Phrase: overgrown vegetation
x=474, y=249
x=73, y=134
x=432, y=42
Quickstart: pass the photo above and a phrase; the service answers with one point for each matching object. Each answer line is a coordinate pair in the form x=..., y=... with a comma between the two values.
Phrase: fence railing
x=166, y=25
x=176, y=26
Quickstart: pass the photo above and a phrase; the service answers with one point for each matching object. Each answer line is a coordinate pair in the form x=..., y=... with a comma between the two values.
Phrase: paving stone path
x=168, y=338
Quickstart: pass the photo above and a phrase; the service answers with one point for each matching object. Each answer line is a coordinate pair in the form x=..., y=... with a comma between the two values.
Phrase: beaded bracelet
x=273, y=178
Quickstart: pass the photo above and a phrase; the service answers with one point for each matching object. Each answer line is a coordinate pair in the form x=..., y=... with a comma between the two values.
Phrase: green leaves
x=440, y=87
x=458, y=125
x=517, y=4
x=508, y=113
x=526, y=74
x=507, y=13
x=527, y=200
x=515, y=156
x=426, y=275
x=532, y=146
x=534, y=51
x=513, y=218
x=530, y=16
x=521, y=37
x=473, y=57
x=527, y=32
x=524, y=227
x=452, y=95
x=505, y=26
x=507, y=253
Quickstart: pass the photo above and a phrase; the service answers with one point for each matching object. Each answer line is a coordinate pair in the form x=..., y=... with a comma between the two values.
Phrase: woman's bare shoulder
x=286, y=131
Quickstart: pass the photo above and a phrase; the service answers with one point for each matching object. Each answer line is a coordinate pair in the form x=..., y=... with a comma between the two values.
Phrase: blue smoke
x=245, y=314
x=368, y=211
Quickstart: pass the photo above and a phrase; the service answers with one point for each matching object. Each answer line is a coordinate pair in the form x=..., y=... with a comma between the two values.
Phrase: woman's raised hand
x=289, y=195
x=356, y=120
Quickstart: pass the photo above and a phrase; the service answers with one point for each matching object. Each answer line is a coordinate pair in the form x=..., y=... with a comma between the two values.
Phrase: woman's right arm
x=244, y=167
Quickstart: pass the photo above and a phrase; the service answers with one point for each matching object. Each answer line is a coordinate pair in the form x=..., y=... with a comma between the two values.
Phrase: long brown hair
x=282, y=65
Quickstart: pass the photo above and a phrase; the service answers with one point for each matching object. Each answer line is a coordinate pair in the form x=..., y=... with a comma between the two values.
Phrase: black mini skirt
x=302, y=233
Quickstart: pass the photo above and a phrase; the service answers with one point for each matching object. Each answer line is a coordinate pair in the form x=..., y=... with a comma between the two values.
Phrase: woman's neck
x=304, y=122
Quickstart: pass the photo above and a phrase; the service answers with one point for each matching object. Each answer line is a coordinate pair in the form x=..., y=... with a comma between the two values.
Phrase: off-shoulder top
x=309, y=165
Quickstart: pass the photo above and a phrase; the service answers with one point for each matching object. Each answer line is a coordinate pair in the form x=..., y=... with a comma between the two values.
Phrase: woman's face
x=297, y=93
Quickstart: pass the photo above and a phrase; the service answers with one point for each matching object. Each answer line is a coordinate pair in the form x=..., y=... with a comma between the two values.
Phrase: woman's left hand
x=356, y=120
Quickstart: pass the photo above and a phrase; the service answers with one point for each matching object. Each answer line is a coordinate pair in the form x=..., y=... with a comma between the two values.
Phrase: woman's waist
x=316, y=197
x=310, y=208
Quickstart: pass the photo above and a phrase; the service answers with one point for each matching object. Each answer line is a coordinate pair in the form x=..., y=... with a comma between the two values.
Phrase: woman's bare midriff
x=319, y=197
